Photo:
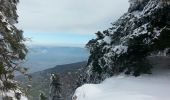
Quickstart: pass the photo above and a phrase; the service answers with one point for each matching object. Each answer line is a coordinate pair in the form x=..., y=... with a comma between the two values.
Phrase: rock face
x=141, y=32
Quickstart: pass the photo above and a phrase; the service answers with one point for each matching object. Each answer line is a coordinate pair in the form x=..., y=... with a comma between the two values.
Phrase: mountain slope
x=123, y=87
x=141, y=32
x=69, y=77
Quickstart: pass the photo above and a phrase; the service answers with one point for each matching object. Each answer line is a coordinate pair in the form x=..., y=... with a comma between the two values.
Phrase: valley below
x=40, y=82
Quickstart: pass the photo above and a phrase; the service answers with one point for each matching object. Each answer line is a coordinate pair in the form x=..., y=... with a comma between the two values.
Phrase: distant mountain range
x=40, y=57
x=69, y=77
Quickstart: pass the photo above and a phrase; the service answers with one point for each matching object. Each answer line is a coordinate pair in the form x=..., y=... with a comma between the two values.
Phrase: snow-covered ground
x=146, y=87
x=12, y=95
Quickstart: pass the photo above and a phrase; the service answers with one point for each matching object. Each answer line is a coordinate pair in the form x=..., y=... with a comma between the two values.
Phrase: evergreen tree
x=143, y=31
x=42, y=96
x=12, y=48
x=99, y=35
x=55, y=87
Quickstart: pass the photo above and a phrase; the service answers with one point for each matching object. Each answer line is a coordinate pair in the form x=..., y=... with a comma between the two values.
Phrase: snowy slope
x=146, y=87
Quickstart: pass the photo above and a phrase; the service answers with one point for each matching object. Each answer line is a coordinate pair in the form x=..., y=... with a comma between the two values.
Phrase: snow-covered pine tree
x=42, y=96
x=12, y=48
x=139, y=33
x=55, y=87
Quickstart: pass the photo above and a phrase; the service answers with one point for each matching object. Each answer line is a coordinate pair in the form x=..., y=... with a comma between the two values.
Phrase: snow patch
x=121, y=87
x=12, y=94
x=107, y=39
x=120, y=49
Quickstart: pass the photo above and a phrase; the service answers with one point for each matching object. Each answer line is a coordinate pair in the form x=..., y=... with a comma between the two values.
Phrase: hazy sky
x=67, y=22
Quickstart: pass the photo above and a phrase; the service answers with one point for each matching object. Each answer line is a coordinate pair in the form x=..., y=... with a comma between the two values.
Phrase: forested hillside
x=132, y=57
x=141, y=32
x=40, y=83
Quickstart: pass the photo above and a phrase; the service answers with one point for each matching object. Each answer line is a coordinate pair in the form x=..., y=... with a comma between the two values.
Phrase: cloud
x=69, y=16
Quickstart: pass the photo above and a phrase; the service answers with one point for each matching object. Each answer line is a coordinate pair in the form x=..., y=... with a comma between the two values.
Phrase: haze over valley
x=43, y=57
